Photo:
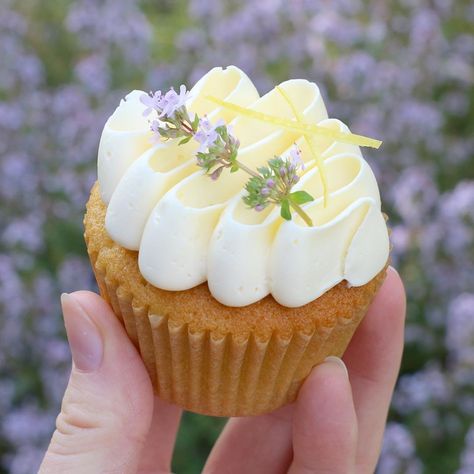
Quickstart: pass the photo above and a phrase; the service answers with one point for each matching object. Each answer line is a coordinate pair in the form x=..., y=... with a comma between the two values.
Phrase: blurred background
x=401, y=71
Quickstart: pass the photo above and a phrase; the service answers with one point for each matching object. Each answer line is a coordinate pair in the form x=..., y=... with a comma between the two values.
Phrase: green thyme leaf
x=301, y=197
x=195, y=122
x=285, y=209
x=185, y=140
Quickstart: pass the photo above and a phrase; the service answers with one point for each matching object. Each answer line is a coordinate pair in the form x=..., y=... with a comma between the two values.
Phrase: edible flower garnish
x=218, y=150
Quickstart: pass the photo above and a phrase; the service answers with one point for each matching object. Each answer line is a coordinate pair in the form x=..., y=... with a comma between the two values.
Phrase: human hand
x=110, y=420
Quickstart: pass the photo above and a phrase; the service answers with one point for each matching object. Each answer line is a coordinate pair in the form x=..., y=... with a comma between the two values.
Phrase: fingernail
x=337, y=361
x=83, y=335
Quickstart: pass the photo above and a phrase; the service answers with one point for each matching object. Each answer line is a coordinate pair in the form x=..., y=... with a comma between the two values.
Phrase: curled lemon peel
x=304, y=128
x=309, y=140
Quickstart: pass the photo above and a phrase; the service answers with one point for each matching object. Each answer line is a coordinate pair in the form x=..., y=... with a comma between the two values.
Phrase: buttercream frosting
x=188, y=229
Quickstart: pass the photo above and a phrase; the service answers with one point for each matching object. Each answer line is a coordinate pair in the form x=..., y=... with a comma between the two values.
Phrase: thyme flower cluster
x=218, y=150
x=274, y=184
x=172, y=119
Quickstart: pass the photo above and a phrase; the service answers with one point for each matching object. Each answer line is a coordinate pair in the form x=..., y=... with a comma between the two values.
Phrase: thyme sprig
x=218, y=150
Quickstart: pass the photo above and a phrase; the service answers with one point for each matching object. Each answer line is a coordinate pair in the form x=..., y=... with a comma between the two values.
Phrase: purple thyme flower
x=151, y=101
x=295, y=159
x=216, y=173
x=207, y=135
x=155, y=127
x=288, y=168
x=171, y=101
x=165, y=105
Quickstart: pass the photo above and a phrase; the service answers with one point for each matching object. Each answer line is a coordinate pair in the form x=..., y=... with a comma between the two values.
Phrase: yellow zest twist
x=304, y=128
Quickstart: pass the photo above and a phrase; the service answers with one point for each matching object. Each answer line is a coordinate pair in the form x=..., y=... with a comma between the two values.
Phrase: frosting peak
x=189, y=229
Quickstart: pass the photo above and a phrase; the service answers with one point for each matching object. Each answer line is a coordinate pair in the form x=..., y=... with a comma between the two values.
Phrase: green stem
x=301, y=213
x=247, y=170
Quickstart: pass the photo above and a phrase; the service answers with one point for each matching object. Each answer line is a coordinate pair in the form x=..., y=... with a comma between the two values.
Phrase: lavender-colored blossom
x=457, y=211
x=152, y=102
x=460, y=330
x=155, y=126
x=296, y=162
x=172, y=102
x=398, y=452
x=25, y=232
x=94, y=73
x=206, y=135
x=414, y=195
x=74, y=272
x=467, y=456
x=95, y=24
x=26, y=460
x=166, y=106
x=425, y=387
x=25, y=424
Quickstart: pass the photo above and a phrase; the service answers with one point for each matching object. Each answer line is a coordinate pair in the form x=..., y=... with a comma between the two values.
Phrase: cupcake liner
x=222, y=376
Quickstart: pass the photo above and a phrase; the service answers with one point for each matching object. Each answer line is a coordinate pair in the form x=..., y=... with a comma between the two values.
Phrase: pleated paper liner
x=204, y=369
x=223, y=376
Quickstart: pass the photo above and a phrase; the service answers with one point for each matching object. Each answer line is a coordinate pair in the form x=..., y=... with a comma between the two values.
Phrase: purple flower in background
x=27, y=460
x=457, y=211
x=467, y=456
x=414, y=195
x=94, y=73
x=418, y=390
x=74, y=272
x=100, y=27
x=398, y=452
x=460, y=331
x=412, y=88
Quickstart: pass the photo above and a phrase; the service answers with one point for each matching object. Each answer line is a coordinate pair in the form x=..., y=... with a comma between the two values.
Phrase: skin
x=110, y=421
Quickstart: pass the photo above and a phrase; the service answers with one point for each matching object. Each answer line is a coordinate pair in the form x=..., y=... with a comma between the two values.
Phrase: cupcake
x=239, y=238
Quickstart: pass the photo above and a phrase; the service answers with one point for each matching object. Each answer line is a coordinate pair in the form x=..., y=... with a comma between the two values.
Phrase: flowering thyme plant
x=218, y=150
x=173, y=120
x=274, y=184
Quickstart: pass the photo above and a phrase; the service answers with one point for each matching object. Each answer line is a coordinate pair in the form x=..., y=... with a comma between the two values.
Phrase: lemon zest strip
x=303, y=127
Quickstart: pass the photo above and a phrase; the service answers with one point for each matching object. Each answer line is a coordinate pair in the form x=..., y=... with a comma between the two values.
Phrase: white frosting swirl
x=189, y=229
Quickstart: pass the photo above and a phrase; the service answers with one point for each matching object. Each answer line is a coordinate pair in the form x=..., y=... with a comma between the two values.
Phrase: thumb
x=108, y=405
